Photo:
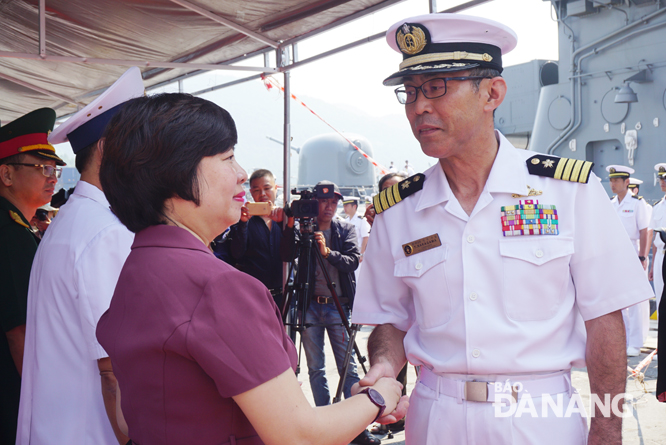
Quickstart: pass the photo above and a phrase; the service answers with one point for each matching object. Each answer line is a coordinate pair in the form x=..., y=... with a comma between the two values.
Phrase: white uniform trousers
x=637, y=323
x=658, y=278
x=637, y=318
x=435, y=418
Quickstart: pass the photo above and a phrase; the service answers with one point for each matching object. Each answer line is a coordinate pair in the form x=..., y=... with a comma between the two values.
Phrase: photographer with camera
x=253, y=244
x=43, y=216
x=337, y=242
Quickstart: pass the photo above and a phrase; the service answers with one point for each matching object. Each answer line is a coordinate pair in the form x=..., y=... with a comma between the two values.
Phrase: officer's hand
x=376, y=372
x=370, y=214
x=277, y=214
x=245, y=216
x=321, y=241
x=651, y=275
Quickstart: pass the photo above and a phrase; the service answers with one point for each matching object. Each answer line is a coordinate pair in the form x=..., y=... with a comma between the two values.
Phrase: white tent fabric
x=86, y=45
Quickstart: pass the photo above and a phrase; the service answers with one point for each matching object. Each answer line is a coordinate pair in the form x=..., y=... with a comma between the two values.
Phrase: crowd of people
x=122, y=324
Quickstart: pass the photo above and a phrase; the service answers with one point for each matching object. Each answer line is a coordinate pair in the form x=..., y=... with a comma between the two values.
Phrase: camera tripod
x=298, y=296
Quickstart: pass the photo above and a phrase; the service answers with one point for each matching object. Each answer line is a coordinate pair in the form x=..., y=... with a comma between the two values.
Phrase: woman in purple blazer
x=198, y=348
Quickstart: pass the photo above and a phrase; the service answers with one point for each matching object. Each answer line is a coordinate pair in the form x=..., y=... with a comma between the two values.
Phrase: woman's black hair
x=152, y=150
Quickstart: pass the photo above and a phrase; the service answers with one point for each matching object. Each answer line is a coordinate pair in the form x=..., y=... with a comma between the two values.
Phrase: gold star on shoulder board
x=405, y=184
x=548, y=163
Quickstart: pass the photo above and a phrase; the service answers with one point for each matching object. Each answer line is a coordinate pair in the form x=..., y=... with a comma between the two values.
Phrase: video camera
x=42, y=215
x=308, y=205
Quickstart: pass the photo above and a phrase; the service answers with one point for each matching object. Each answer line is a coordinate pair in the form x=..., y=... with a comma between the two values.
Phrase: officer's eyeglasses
x=431, y=89
x=47, y=170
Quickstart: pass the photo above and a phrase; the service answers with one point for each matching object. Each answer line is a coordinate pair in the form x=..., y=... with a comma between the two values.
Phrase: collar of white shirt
x=507, y=175
x=88, y=190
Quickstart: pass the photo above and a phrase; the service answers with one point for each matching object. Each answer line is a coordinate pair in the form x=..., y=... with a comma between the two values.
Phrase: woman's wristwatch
x=642, y=258
x=377, y=399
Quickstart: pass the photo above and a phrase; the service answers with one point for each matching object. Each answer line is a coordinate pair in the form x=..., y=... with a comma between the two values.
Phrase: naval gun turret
x=331, y=157
x=607, y=103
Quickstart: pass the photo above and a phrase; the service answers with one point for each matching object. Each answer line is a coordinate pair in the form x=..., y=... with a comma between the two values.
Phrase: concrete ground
x=646, y=425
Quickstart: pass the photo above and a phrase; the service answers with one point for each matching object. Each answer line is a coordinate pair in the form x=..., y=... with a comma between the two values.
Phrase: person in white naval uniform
x=635, y=219
x=68, y=387
x=634, y=188
x=470, y=267
x=658, y=221
x=350, y=206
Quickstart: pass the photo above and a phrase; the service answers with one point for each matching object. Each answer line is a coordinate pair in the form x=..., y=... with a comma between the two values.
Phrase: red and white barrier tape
x=270, y=82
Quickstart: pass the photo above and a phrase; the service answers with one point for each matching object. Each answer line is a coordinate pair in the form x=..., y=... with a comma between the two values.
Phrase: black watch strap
x=377, y=399
x=642, y=258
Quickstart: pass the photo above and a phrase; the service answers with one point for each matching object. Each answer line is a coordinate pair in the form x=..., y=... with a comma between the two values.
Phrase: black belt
x=327, y=300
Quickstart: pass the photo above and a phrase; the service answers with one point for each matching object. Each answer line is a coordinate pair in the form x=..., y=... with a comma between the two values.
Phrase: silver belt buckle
x=476, y=391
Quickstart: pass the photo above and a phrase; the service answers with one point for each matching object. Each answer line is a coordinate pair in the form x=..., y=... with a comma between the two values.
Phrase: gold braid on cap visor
x=440, y=57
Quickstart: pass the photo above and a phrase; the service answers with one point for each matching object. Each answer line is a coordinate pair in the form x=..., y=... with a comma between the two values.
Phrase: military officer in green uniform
x=28, y=174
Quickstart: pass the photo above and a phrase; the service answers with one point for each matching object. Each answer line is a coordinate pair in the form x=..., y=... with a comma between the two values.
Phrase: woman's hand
x=391, y=390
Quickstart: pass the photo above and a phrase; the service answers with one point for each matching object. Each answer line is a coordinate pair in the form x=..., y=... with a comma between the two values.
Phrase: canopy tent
x=66, y=56
x=64, y=53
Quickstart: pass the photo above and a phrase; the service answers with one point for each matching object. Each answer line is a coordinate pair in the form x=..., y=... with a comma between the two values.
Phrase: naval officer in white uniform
x=350, y=205
x=658, y=221
x=635, y=219
x=470, y=267
x=68, y=386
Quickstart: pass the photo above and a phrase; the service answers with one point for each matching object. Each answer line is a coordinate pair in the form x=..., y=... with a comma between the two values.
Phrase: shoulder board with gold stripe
x=573, y=170
x=397, y=192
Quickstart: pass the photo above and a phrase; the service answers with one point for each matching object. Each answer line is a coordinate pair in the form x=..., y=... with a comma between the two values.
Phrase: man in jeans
x=336, y=241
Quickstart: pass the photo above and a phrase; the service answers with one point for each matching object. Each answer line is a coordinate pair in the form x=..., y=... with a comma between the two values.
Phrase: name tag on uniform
x=529, y=218
x=421, y=245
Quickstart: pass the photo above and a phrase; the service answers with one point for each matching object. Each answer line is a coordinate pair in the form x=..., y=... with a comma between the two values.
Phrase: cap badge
x=412, y=39
x=612, y=170
x=662, y=169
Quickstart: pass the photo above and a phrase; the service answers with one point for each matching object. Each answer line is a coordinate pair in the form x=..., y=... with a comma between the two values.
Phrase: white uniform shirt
x=362, y=228
x=634, y=216
x=649, y=210
x=658, y=221
x=72, y=280
x=482, y=303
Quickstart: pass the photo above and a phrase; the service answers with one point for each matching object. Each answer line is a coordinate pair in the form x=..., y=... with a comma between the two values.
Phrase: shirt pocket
x=536, y=276
x=425, y=274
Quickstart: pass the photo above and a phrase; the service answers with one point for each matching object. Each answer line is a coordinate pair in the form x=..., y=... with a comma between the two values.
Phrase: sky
x=346, y=89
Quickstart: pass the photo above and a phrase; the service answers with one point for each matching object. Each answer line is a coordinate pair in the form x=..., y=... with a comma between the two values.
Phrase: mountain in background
x=259, y=112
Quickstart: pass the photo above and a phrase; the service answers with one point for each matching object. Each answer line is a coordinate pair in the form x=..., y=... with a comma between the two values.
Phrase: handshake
x=379, y=375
